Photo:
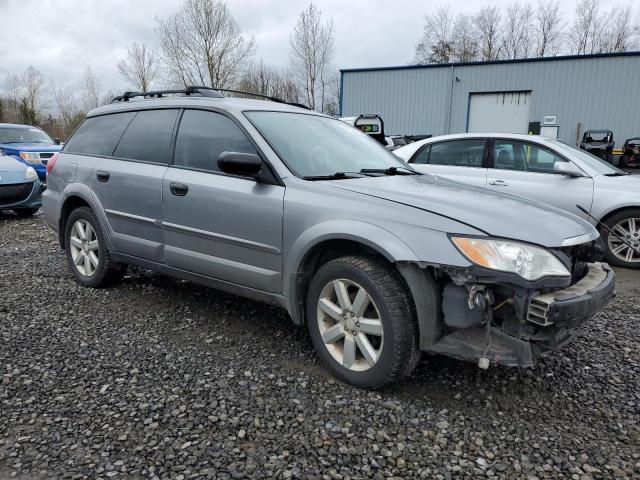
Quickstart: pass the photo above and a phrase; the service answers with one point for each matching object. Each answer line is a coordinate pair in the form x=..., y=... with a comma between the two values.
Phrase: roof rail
x=199, y=90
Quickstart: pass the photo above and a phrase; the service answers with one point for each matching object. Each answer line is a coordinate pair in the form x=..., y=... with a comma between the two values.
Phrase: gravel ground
x=158, y=378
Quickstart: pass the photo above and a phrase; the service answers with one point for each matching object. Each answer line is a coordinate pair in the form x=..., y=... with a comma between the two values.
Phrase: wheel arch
x=615, y=211
x=76, y=196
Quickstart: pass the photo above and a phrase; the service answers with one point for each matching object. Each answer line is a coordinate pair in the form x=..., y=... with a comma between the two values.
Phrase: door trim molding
x=262, y=247
x=130, y=216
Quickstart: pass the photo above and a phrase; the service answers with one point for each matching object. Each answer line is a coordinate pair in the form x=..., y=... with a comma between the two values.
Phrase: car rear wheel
x=361, y=321
x=623, y=250
x=86, y=251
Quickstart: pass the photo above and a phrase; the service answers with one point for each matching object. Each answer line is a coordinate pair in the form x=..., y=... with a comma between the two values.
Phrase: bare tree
x=203, y=45
x=140, y=68
x=12, y=99
x=465, y=39
x=549, y=28
x=436, y=44
x=311, y=52
x=91, y=93
x=270, y=81
x=70, y=112
x=517, y=31
x=32, y=81
x=487, y=22
x=622, y=35
x=589, y=31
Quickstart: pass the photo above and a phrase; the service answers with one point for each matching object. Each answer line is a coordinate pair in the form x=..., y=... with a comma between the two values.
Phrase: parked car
x=541, y=169
x=20, y=189
x=294, y=208
x=630, y=153
x=395, y=141
x=31, y=145
x=599, y=143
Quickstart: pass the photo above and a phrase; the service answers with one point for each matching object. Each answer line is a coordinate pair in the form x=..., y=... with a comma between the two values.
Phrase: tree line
x=199, y=44
x=525, y=30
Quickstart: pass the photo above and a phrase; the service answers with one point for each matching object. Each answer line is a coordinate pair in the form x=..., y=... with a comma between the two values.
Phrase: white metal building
x=560, y=96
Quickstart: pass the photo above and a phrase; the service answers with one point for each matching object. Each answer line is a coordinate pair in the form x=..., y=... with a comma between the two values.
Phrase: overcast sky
x=62, y=37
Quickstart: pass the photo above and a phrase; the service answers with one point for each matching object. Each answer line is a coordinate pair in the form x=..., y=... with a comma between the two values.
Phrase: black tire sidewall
x=384, y=367
x=100, y=276
x=611, y=222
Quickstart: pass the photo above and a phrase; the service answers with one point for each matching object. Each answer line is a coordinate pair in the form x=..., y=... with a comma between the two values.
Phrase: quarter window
x=203, y=136
x=423, y=155
x=99, y=135
x=458, y=153
x=523, y=157
x=148, y=137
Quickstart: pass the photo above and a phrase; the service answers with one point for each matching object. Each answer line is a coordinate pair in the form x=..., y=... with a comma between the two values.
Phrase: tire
x=390, y=335
x=616, y=253
x=102, y=271
x=26, y=212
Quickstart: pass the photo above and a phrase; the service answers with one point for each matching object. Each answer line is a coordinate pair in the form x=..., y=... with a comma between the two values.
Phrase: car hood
x=31, y=147
x=11, y=171
x=496, y=214
x=621, y=183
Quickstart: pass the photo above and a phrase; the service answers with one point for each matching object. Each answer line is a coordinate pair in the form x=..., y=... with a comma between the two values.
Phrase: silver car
x=541, y=169
x=20, y=188
x=287, y=206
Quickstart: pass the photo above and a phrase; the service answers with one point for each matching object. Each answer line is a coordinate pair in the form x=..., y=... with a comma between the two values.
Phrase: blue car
x=20, y=187
x=30, y=145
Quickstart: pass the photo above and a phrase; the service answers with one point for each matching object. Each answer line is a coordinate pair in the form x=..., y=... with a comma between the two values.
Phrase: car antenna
x=611, y=232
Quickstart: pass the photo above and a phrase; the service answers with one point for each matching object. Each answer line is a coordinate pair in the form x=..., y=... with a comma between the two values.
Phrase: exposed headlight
x=31, y=157
x=30, y=174
x=528, y=261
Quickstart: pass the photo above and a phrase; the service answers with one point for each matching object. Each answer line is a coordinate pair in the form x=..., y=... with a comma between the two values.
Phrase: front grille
x=46, y=154
x=14, y=193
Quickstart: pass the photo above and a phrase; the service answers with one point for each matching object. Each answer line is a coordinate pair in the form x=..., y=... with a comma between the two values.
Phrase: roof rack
x=199, y=90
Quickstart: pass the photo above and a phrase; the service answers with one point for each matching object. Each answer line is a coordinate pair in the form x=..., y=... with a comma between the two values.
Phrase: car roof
x=224, y=103
x=16, y=125
x=457, y=136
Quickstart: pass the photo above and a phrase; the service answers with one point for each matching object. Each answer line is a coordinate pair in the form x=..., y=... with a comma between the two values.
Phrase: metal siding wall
x=597, y=92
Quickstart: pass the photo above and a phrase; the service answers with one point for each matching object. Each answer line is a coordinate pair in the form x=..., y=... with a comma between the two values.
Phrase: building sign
x=549, y=120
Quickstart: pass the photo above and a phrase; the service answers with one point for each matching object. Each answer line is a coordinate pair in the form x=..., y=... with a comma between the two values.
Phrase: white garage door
x=502, y=112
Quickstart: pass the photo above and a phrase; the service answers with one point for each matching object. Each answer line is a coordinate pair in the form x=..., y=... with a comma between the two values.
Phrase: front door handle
x=499, y=183
x=102, y=176
x=178, y=189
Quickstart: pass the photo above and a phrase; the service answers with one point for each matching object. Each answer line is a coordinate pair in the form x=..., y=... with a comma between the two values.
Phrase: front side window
x=313, y=145
x=458, y=153
x=24, y=135
x=422, y=157
x=148, y=137
x=99, y=135
x=523, y=157
x=203, y=136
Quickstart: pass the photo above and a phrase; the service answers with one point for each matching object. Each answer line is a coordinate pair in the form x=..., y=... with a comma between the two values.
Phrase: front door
x=526, y=169
x=222, y=226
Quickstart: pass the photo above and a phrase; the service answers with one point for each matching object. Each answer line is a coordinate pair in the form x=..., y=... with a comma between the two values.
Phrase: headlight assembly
x=30, y=174
x=528, y=261
x=31, y=157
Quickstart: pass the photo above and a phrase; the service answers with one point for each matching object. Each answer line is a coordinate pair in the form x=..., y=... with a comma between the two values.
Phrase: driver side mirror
x=236, y=163
x=568, y=169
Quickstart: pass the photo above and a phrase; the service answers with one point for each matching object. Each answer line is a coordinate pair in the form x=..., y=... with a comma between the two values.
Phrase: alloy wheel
x=350, y=325
x=629, y=230
x=85, y=252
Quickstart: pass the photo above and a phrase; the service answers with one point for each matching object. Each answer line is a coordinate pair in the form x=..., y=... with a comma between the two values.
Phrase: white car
x=541, y=169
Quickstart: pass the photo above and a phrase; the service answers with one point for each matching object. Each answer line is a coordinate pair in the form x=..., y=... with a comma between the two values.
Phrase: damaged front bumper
x=523, y=321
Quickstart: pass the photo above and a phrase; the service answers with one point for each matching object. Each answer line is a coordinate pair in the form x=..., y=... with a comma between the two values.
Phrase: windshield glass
x=24, y=135
x=311, y=145
x=596, y=163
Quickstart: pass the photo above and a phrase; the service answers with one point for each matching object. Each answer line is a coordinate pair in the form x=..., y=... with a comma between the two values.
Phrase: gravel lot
x=158, y=378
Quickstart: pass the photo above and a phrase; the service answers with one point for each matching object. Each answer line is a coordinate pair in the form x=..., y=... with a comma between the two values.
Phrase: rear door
x=128, y=183
x=526, y=169
x=463, y=160
x=223, y=226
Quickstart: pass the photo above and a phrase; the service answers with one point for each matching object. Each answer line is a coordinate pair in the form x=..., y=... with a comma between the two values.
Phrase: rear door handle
x=102, y=176
x=499, y=183
x=178, y=189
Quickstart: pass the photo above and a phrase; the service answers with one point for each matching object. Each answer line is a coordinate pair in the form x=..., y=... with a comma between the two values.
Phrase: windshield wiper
x=334, y=176
x=391, y=171
x=617, y=174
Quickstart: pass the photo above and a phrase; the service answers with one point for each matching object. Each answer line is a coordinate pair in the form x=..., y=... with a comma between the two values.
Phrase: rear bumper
x=547, y=322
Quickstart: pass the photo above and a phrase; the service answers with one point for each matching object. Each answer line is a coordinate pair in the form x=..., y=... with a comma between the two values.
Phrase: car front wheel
x=86, y=251
x=361, y=322
x=623, y=248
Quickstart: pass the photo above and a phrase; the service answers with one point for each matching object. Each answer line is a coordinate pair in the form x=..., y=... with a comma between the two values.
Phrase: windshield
x=311, y=145
x=596, y=137
x=24, y=135
x=596, y=163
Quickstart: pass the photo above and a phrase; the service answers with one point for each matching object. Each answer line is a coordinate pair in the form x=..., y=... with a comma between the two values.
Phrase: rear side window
x=148, y=137
x=203, y=136
x=99, y=135
x=458, y=153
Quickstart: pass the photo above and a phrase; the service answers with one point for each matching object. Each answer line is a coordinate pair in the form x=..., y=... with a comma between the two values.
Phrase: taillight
x=51, y=163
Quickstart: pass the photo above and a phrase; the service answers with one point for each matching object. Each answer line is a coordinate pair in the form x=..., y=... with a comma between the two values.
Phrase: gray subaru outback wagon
x=284, y=205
